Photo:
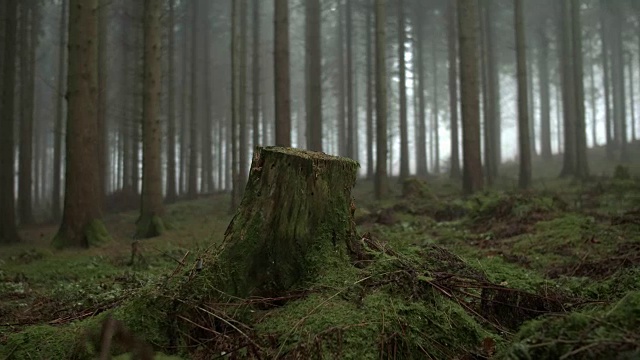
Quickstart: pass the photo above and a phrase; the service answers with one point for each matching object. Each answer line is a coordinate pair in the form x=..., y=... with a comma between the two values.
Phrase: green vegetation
x=542, y=274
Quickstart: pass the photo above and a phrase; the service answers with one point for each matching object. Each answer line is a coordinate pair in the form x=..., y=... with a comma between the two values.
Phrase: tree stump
x=295, y=218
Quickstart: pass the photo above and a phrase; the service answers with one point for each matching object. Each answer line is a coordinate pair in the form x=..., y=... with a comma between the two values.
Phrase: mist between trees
x=119, y=104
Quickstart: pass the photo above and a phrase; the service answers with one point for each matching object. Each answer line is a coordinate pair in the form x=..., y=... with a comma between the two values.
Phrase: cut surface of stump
x=295, y=217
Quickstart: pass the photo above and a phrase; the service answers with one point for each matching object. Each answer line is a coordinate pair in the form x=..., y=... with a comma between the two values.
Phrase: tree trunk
x=435, y=126
x=523, y=99
x=272, y=253
x=370, y=75
x=402, y=93
x=255, y=73
x=314, y=74
x=418, y=61
x=184, y=87
x=486, y=106
x=232, y=144
x=81, y=225
x=582, y=167
x=206, y=168
x=632, y=119
x=452, y=50
x=8, y=229
x=60, y=104
x=351, y=122
x=568, y=92
x=381, y=180
x=135, y=97
x=593, y=104
x=27, y=67
x=172, y=193
x=606, y=78
x=472, y=180
x=492, y=88
x=150, y=222
x=618, y=76
x=242, y=102
x=281, y=71
x=531, y=102
x=192, y=178
x=545, y=97
x=126, y=123
x=341, y=125
x=103, y=136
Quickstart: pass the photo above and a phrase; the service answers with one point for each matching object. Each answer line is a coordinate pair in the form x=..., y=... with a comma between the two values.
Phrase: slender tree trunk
x=150, y=221
x=244, y=148
x=523, y=110
x=126, y=123
x=594, y=108
x=172, y=193
x=341, y=132
x=618, y=76
x=192, y=178
x=314, y=74
x=8, y=229
x=103, y=136
x=136, y=118
x=60, y=104
x=472, y=170
x=487, y=104
x=370, y=75
x=632, y=119
x=206, y=169
x=582, y=167
x=531, y=102
x=605, y=78
x=421, y=128
x=381, y=180
x=435, y=128
x=568, y=92
x=351, y=137
x=27, y=67
x=255, y=73
x=281, y=70
x=559, y=119
x=235, y=103
x=492, y=89
x=545, y=97
x=184, y=86
x=452, y=48
x=402, y=93
x=81, y=225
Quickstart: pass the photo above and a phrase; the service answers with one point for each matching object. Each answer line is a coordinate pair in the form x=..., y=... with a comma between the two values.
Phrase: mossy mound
x=602, y=333
x=419, y=303
x=510, y=214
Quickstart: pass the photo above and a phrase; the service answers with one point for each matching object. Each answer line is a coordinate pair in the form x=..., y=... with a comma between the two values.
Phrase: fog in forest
x=112, y=105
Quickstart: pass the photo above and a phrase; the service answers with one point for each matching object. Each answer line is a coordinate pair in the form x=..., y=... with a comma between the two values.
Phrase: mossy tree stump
x=295, y=217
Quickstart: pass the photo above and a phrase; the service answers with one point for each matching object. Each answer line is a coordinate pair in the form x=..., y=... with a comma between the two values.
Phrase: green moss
x=149, y=226
x=44, y=342
x=598, y=333
x=97, y=233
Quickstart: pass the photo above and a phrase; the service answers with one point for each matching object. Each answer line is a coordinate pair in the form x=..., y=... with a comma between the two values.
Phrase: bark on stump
x=296, y=217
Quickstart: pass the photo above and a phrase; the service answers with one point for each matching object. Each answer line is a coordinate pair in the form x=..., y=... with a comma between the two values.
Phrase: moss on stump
x=296, y=211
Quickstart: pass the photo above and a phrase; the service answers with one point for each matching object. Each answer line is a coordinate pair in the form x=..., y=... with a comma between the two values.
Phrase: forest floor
x=548, y=273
